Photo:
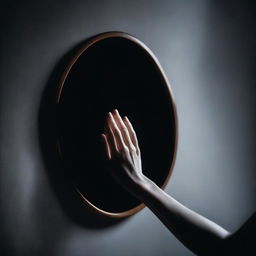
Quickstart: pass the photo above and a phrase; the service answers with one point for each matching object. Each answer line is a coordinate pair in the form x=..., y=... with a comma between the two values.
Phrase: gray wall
x=208, y=53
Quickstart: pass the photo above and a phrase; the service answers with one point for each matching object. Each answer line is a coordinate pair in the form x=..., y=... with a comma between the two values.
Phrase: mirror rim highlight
x=166, y=84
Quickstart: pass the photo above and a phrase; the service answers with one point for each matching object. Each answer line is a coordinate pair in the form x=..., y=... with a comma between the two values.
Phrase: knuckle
x=133, y=148
x=138, y=151
x=124, y=129
x=124, y=151
x=117, y=132
x=133, y=133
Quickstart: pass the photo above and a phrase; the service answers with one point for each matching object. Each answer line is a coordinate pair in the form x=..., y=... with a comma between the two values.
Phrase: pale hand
x=122, y=151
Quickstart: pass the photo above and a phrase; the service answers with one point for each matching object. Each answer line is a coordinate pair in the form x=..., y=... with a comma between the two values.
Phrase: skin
x=199, y=234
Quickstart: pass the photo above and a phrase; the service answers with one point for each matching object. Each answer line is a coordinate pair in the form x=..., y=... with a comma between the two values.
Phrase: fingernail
x=115, y=111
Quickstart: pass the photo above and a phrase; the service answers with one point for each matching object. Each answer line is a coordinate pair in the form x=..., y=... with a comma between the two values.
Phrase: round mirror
x=114, y=70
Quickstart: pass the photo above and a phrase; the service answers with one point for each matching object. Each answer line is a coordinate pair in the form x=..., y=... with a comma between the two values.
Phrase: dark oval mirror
x=114, y=70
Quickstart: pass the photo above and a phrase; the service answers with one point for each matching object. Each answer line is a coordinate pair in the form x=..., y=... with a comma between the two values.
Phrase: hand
x=122, y=151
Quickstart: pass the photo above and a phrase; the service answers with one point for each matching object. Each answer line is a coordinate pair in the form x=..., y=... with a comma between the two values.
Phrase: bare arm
x=196, y=232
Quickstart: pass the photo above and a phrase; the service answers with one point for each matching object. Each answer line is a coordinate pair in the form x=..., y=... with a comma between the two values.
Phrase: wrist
x=143, y=187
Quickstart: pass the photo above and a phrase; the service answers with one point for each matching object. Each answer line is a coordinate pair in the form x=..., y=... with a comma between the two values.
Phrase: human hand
x=122, y=151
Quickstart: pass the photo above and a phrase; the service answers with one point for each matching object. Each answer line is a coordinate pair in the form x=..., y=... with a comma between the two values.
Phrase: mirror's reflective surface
x=114, y=72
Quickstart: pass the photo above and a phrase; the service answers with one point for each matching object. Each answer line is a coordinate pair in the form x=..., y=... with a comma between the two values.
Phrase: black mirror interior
x=114, y=72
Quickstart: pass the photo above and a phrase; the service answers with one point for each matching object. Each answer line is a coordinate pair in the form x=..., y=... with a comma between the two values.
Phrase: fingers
x=106, y=146
x=119, y=135
x=132, y=134
x=112, y=126
x=110, y=139
x=124, y=131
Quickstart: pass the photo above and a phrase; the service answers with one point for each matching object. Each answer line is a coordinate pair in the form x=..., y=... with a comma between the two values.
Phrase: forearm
x=196, y=232
x=121, y=145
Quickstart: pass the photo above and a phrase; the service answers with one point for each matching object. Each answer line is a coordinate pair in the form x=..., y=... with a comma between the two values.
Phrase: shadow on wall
x=116, y=72
x=59, y=178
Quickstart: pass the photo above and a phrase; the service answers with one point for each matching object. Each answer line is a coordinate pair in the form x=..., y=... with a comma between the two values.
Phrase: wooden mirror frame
x=165, y=83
